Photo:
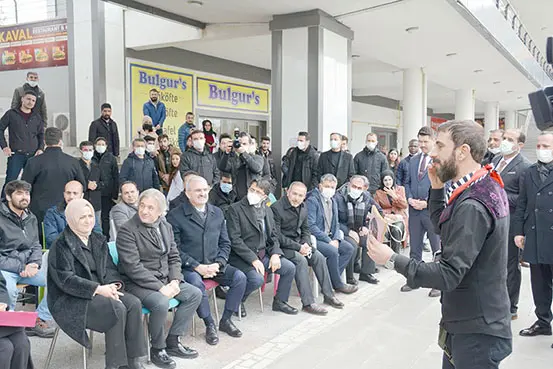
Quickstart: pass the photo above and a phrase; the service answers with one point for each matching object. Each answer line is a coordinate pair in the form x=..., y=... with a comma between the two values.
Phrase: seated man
x=150, y=267
x=181, y=199
x=54, y=220
x=323, y=223
x=255, y=245
x=126, y=209
x=223, y=194
x=295, y=241
x=21, y=253
x=354, y=204
x=202, y=239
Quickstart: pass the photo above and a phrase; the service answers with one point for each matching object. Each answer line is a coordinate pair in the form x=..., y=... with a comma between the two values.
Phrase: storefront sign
x=231, y=96
x=175, y=88
x=34, y=45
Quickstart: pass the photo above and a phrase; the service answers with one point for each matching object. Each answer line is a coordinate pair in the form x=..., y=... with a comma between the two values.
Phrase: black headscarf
x=385, y=174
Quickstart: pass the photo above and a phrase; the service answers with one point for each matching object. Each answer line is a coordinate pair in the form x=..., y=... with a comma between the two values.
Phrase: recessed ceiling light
x=478, y=70
x=451, y=54
x=519, y=98
x=544, y=28
x=411, y=29
x=195, y=3
x=355, y=56
x=510, y=91
x=496, y=82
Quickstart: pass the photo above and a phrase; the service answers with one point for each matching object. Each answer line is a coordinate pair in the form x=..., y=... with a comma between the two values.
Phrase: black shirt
x=334, y=159
x=298, y=166
x=91, y=262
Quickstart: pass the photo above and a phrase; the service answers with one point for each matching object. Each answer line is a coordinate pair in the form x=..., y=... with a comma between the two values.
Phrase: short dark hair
x=189, y=113
x=30, y=92
x=345, y=138
x=149, y=139
x=17, y=185
x=413, y=141
x=31, y=73
x=85, y=143
x=153, y=90
x=266, y=138
x=226, y=175
x=304, y=134
x=264, y=184
x=52, y=136
x=126, y=183
x=426, y=131
x=105, y=106
x=225, y=135
x=467, y=132
x=195, y=132
x=100, y=139
x=162, y=136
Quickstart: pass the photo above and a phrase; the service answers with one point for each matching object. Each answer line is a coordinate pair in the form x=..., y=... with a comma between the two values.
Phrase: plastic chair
x=53, y=346
x=209, y=286
x=261, y=289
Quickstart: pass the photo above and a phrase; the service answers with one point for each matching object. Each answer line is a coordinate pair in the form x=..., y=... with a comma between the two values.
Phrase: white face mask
x=254, y=198
x=371, y=146
x=101, y=149
x=302, y=145
x=507, y=148
x=87, y=155
x=32, y=83
x=335, y=144
x=354, y=194
x=328, y=193
x=495, y=150
x=140, y=151
x=199, y=144
x=545, y=156
x=151, y=148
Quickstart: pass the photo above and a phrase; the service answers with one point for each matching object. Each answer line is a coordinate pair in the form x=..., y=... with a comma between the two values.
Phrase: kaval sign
x=231, y=96
x=175, y=90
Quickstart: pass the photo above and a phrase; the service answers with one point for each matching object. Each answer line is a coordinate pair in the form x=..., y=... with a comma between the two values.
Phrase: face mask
x=545, y=156
x=199, y=144
x=334, y=144
x=147, y=127
x=253, y=198
x=371, y=146
x=328, y=193
x=506, y=148
x=87, y=155
x=495, y=150
x=101, y=149
x=226, y=187
x=151, y=148
x=32, y=83
x=354, y=194
x=302, y=145
x=140, y=151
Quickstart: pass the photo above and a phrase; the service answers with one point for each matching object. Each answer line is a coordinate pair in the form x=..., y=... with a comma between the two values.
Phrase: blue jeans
x=336, y=259
x=16, y=163
x=476, y=351
x=12, y=279
x=287, y=273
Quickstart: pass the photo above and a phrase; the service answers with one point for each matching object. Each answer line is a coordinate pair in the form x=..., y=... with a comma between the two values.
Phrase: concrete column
x=464, y=104
x=491, y=117
x=414, y=104
x=510, y=119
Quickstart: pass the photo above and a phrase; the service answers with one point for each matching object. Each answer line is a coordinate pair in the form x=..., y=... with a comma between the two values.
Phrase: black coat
x=71, y=286
x=48, y=174
x=221, y=199
x=371, y=164
x=99, y=128
x=109, y=174
x=144, y=265
x=92, y=174
x=250, y=164
x=4, y=298
x=203, y=163
x=245, y=235
x=513, y=178
x=489, y=158
x=26, y=136
x=309, y=171
x=200, y=241
x=141, y=171
x=292, y=228
x=534, y=217
x=180, y=199
x=344, y=169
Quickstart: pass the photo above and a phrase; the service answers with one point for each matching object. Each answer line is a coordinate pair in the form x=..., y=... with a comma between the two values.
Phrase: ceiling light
x=411, y=29
x=195, y=3
x=510, y=91
x=497, y=82
x=355, y=56
x=450, y=54
x=478, y=70
x=519, y=98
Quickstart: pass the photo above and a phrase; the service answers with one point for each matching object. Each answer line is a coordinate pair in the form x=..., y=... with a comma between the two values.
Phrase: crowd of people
x=184, y=219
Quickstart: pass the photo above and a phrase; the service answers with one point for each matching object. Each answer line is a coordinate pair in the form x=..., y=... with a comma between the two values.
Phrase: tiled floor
x=380, y=327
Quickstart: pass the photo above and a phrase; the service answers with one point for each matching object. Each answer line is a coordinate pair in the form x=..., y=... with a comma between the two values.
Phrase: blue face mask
x=226, y=187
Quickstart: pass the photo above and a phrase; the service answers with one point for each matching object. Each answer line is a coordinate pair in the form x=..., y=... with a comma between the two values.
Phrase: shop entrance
x=256, y=128
x=387, y=138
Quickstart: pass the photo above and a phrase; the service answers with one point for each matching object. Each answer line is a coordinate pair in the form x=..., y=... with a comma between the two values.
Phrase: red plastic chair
x=210, y=285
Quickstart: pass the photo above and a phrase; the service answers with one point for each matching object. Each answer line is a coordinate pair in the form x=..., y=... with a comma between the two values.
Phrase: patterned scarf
x=544, y=170
x=356, y=212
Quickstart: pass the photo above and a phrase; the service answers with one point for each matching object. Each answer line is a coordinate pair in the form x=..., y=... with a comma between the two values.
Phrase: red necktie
x=422, y=168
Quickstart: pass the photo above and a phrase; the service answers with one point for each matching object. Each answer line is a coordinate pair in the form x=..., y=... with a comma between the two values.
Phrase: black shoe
x=160, y=359
x=229, y=328
x=376, y=270
x=221, y=293
x=348, y=289
x=536, y=330
x=368, y=278
x=315, y=309
x=352, y=281
x=182, y=352
x=211, y=336
x=242, y=310
x=284, y=307
x=134, y=363
x=434, y=293
x=334, y=302
x=406, y=288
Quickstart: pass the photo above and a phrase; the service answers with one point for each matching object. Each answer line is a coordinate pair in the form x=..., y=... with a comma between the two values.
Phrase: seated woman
x=151, y=267
x=83, y=291
x=393, y=202
x=176, y=185
x=15, y=348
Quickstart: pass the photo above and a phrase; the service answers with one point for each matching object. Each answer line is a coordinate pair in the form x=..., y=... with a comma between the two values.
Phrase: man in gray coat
x=199, y=159
x=125, y=210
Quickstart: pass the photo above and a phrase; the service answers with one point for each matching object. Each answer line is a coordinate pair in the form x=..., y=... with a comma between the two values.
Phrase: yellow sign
x=231, y=96
x=175, y=88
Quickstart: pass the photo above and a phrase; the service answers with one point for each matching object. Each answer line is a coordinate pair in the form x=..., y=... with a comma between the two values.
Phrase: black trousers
x=107, y=204
x=15, y=349
x=126, y=338
x=514, y=274
x=476, y=351
x=541, y=276
x=368, y=266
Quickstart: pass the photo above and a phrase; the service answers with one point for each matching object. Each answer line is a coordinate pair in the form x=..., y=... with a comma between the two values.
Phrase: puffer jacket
x=141, y=171
x=371, y=164
x=201, y=162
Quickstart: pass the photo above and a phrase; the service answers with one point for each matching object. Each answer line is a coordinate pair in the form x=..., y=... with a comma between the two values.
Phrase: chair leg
x=91, y=335
x=240, y=311
x=314, y=284
x=52, y=347
x=147, y=334
x=194, y=325
x=215, y=307
x=84, y=358
x=261, y=299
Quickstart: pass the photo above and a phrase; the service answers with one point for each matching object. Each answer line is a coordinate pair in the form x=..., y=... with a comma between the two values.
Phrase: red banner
x=435, y=122
x=34, y=45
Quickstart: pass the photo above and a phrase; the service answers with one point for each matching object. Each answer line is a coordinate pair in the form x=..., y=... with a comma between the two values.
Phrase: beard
x=447, y=169
x=21, y=205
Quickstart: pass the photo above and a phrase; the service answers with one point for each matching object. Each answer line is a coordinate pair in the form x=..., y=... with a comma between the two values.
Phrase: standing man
x=533, y=233
x=48, y=173
x=345, y=142
x=163, y=161
x=91, y=172
x=31, y=84
x=336, y=161
x=199, y=159
x=301, y=164
x=512, y=165
x=225, y=147
x=184, y=131
x=403, y=167
x=494, y=143
x=139, y=168
x=155, y=109
x=107, y=128
x=371, y=162
x=26, y=135
x=473, y=218
x=417, y=187
x=109, y=180
x=265, y=151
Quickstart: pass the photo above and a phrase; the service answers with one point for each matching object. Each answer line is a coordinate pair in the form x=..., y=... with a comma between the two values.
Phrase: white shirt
x=176, y=188
x=507, y=161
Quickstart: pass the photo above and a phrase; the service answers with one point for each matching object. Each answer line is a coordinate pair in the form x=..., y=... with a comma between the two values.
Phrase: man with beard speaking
x=472, y=218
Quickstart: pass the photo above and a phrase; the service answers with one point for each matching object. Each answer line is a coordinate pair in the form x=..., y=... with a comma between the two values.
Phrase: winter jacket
x=184, y=131
x=141, y=171
x=55, y=223
x=201, y=162
x=371, y=164
x=109, y=174
x=249, y=164
x=40, y=105
x=99, y=128
x=310, y=168
x=92, y=174
x=156, y=112
x=26, y=136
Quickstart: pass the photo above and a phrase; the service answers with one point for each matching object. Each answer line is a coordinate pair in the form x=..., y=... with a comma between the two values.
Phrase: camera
x=236, y=144
x=542, y=101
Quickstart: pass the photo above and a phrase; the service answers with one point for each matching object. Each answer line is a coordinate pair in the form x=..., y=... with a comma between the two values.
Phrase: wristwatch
x=390, y=264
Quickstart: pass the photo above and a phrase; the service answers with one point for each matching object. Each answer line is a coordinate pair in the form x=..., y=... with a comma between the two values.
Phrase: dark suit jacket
x=416, y=188
x=513, y=177
x=200, y=241
x=343, y=171
x=245, y=235
x=292, y=228
x=534, y=217
x=99, y=128
x=144, y=265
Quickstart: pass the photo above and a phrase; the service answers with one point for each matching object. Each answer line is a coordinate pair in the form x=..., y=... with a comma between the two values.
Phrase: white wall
x=365, y=116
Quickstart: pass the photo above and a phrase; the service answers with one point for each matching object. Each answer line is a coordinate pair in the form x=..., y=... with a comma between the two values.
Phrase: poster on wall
x=34, y=45
x=176, y=92
x=220, y=94
x=436, y=122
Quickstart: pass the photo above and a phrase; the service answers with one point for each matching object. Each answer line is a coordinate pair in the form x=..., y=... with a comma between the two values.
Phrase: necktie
x=422, y=167
x=502, y=166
